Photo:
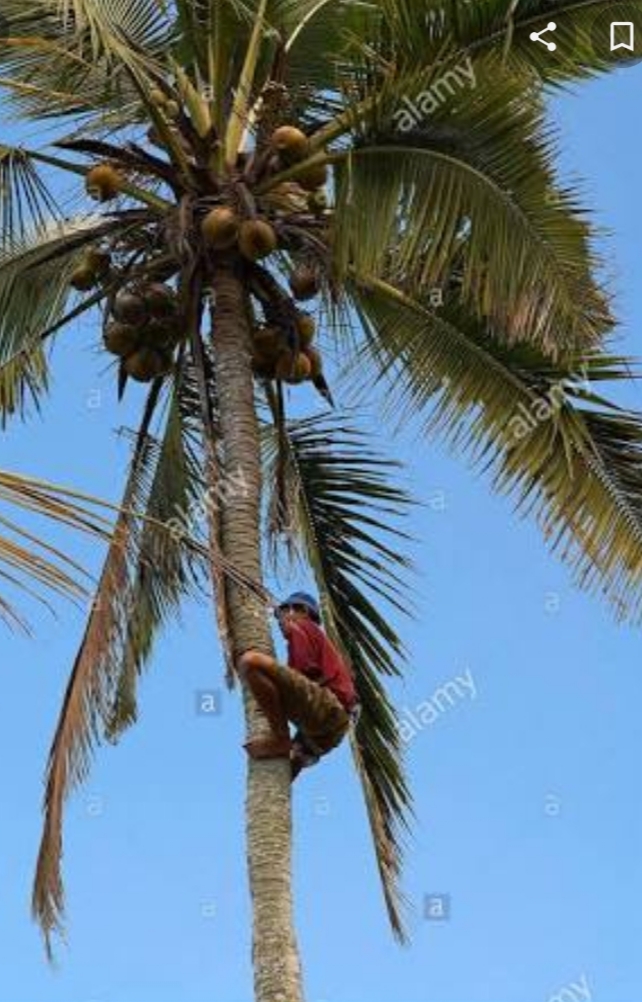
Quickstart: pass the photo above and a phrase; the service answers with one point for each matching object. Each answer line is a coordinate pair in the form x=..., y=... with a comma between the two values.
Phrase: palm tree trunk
x=277, y=972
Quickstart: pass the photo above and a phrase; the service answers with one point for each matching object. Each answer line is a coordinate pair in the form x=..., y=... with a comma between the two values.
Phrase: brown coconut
x=103, y=182
x=160, y=299
x=268, y=341
x=290, y=143
x=99, y=261
x=162, y=334
x=147, y=364
x=304, y=283
x=220, y=227
x=82, y=278
x=130, y=307
x=306, y=328
x=316, y=362
x=257, y=239
x=293, y=369
x=121, y=339
x=313, y=178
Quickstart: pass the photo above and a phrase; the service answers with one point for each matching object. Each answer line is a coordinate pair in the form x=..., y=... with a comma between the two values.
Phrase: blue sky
x=527, y=795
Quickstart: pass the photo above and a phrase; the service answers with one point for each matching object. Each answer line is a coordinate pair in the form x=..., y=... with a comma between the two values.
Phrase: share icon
x=536, y=36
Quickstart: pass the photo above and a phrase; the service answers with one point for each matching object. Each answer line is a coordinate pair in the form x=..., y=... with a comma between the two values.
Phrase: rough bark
x=277, y=973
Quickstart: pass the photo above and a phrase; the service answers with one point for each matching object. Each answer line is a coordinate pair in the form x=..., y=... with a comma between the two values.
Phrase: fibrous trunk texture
x=277, y=973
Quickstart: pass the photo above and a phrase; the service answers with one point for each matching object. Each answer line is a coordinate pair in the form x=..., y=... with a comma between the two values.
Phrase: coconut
x=290, y=143
x=99, y=261
x=103, y=182
x=304, y=283
x=147, y=364
x=82, y=278
x=293, y=369
x=263, y=368
x=268, y=341
x=314, y=177
x=160, y=299
x=158, y=97
x=220, y=227
x=121, y=339
x=130, y=307
x=162, y=334
x=257, y=239
x=316, y=362
x=306, y=327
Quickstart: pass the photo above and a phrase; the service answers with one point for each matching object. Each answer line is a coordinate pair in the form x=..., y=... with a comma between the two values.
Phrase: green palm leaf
x=334, y=499
x=422, y=34
x=35, y=269
x=30, y=564
x=470, y=194
x=566, y=454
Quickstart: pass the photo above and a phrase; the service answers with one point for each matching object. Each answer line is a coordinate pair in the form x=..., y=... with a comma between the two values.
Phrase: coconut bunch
x=223, y=229
x=306, y=192
x=144, y=329
x=274, y=358
x=291, y=146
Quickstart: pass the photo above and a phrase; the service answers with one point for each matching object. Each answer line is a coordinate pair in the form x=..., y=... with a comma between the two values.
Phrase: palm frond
x=167, y=569
x=89, y=696
x=429, y=33
x=552, y=441
x=25, y=201
x=469, y=196
x=28, y=562
x=339, y=506
x=35, y=269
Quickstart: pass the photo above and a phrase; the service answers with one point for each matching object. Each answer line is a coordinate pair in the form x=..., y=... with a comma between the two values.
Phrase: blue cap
x=302, y=598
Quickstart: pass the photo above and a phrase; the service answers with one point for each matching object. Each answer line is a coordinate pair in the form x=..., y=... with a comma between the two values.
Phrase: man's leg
x=321, y=719
x=260, y=673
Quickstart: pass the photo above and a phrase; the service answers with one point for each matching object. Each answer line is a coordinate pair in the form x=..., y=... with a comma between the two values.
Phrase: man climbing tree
x=315, y=692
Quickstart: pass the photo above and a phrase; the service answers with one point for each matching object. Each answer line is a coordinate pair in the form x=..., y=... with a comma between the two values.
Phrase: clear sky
x=527, y=787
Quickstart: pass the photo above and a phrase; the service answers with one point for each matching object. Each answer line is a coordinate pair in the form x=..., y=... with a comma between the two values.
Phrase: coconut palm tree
x=387, y=164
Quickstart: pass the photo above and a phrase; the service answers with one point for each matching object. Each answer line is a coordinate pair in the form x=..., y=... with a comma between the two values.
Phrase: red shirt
x=311, y=653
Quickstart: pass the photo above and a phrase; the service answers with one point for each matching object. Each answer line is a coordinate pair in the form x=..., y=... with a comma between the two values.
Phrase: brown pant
x=315, y=710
